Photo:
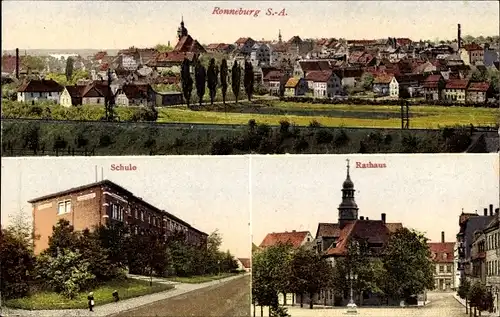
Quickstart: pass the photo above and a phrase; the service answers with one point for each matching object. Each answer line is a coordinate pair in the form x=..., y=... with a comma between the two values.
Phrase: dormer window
x=445, y=256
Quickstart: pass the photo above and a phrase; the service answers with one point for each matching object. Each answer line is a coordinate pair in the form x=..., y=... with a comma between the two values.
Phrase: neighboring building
x=134, y=95
x=394, y=88
x=40, y=90
x=325, y=84
x=469, y=224
x=381, y=84
x=492, y=248
x=442, y=257
x=472, y=54
x=350, y=76
x=275, y=81
x=260, y=55
x=244, y=264
x=94, y=93
x=168, y=98
x=410, y=85
x=295, y=238
x=103, y=203
x=478, y=92
x=332, y=241
x=296, y=87
x=478, y=258
x=455, y=90
x=433, y=87
x=245, y=45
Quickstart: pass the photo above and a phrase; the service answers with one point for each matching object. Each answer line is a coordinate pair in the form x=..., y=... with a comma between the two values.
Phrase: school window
x=135, y=213
x=142, y=215
x=448, y=269
x=64, y=207
x=441, y=269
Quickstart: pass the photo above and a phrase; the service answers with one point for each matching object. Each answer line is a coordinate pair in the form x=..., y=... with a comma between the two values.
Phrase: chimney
x=361, y=218
x=496, y=211
x=486, y=211
x=491, y=210
x=367, y=218
x=383, y=217
x=459, y=36
x=17, y=63
x=442, y=236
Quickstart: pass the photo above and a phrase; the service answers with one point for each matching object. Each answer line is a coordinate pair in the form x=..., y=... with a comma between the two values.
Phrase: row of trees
x=76, y=261
x=476, y=296
x=214, y=77
x=401, y=270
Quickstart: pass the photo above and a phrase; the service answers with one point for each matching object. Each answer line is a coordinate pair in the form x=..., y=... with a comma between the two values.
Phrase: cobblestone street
x=441, y=305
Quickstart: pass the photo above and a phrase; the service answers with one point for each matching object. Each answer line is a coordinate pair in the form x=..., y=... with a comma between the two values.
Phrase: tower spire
x=348, y=209
x=347, y=160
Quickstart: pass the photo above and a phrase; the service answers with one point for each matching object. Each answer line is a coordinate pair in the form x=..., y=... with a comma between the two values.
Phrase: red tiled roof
x=245, y=262
x=274, y=75
x=403, y=41
x=457, y=84
x=133, y=91
x=439, y=249
x=75, y=91
x=432, y=81
x=100, y=55
x=383, y=79
x=472, y=47
x=362, y=42
x=242, y=40
x=187, y=44
x=295, y=238
x=44, y=85
x=372, y=231
x=482, y=86
x=9, y=64
x=162, y=59
x=319, y=75
x=314, y=65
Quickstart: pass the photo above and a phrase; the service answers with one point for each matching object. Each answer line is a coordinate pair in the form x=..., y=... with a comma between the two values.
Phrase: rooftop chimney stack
x=17, y=63
x=459, y=37
x=361, y=218
x=497, y=210
x=486, y=211
x=491, y=210
x=383, y=217
x=442, y=236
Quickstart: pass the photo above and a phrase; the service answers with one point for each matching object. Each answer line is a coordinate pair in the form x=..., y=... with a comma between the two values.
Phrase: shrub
x=324, y=137
x=67, y=273
x=222, y=146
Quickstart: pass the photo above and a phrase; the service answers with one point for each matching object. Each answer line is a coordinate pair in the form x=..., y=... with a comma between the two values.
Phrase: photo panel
x=126, y=236
x=225, y=77
x=372, y=233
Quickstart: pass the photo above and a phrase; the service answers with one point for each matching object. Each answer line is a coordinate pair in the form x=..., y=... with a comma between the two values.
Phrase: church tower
x=348, y=209
x=182, y=31
x=279, y=37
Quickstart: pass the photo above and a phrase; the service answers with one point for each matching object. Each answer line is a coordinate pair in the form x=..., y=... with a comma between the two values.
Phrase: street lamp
x=351, y=307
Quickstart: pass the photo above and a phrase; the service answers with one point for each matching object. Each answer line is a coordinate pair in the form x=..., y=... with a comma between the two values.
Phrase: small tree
x=67, y=273
x=367, y=81
x=212, y=80
x=236, y=80
x=248, y=80
x=223, y=80
x=69, y=68
x=63, y=237
x=186, y=81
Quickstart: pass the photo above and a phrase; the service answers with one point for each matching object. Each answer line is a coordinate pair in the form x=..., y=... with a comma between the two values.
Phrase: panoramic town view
x=179, y=247
x=411, y=246
x=199, y=87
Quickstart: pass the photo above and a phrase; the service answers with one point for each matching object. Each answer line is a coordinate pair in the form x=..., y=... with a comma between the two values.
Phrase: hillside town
x=465, y=70
x=376, y=256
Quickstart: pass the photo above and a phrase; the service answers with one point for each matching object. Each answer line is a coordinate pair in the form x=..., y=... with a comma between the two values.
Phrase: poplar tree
x=236, y=80
x=212, y=80
x=223, y=80
x=186, y=81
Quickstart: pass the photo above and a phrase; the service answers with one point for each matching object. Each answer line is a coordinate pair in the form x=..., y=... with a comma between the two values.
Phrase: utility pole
x=405, y=114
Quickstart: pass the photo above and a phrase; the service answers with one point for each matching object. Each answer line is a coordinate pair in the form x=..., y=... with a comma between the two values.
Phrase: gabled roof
x=187, y=44
x=481, y=86
x=245, y=262
x=432, y=81
x=383, y=79
x=472, y=47
x=295, y=238
x=295, y=40
x=274, y=75
x=319, y=75
x=292, y=82
x=372, y=231
x=457, y=84
x=243, y=40
x=314, y=65
x=133, y=91
x=43, y=85
x=442, y=252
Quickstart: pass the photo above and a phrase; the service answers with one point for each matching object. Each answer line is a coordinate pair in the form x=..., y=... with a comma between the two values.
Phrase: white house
x=40, y=90
x=244, y=264
x=325, y=84
x=394, y=88
x=134, y=95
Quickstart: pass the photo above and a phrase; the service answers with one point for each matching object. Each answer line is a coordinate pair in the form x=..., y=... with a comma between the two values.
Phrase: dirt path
x=230, y=299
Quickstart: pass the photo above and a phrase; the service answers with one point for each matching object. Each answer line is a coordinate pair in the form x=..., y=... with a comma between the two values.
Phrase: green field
x=103, y=295
x=301, y=114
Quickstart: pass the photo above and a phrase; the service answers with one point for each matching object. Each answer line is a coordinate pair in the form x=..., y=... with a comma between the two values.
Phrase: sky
x=423, y=192
x=207, y=192
x=121, y=24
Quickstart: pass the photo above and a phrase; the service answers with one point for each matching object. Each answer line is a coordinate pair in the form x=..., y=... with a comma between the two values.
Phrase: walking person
x=91, y=301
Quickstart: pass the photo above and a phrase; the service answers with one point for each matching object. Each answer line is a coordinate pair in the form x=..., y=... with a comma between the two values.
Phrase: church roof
x=188, y=44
